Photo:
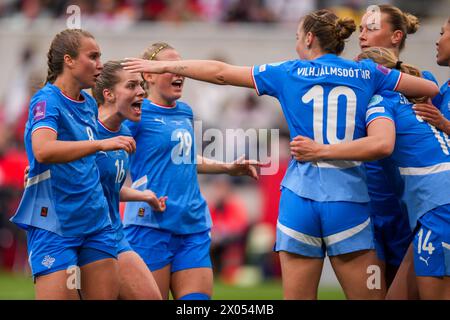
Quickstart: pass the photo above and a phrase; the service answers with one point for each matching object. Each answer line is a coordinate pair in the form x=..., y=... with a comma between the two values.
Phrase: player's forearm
x=209, y=166
x=363, y=149
x=129, y=194
x=211, y=71
x=64, y=151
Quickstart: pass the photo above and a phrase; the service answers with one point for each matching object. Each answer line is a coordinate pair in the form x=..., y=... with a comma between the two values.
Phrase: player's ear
x=309, y=37
x=109, y=96
x=68, y=60
x=148, y=77
x=397, y=37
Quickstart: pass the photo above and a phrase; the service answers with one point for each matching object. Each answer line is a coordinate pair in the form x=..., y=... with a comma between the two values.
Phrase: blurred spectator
x=180, y=11
x=12, y=164
x=249, y=11
x=290, y=10
x=229, y=230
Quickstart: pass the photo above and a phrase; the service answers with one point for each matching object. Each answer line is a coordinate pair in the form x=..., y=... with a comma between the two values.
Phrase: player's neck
x=159, y=100
x=315, y=53
x=111, y=120
x=69, y=87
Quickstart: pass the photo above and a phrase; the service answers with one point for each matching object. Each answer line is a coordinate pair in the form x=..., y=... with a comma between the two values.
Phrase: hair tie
x=157, y=51
x=398, y=65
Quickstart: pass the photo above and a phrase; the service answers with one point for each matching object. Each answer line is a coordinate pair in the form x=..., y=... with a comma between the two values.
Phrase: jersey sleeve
x=44, y=113
x=269, y=79
x=384, y=78
x=379, y=107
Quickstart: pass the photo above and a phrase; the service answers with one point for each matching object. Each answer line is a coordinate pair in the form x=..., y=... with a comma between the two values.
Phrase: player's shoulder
x=124, y=130
x=88, y=98
x=385, y=98
x=283, y=65
x=46, y=93
x=185, y=108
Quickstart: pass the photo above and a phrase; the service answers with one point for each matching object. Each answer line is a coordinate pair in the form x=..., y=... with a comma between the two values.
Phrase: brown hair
x=107, y=79
x=399, y=20
x=330, y=30
x=388, y=59
x=65, y=42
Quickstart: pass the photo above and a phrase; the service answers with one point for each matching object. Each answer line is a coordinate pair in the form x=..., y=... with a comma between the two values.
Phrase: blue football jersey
x=165, y=162
x=384, y=182
x=326, y=100
x=421, y=153
x=65, y=198
x=385, y=187
x=113, y=167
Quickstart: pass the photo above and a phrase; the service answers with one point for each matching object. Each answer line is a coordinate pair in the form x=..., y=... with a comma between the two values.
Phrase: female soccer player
x=390, y=219
x=119, y=95
x=422, y=155
x=63, y=207
x=323, y=206
x=175, y=244
x=440, y=116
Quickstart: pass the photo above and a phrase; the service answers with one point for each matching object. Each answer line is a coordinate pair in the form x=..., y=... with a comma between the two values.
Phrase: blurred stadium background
x=243, y=32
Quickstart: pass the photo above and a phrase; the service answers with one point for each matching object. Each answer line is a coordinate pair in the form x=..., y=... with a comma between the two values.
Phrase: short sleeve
x=269, y=79
x=379, y=107
x=44, y=113
x=385, y=78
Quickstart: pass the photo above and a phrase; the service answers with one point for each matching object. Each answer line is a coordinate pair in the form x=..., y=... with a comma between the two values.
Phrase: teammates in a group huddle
x=79, y=155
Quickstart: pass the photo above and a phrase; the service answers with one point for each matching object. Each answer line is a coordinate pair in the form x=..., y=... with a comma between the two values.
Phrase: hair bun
x=344, y=28
x=412, y=23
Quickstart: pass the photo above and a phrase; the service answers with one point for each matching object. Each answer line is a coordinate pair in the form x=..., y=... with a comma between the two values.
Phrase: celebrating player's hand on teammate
x=305, y=149
x=141, y=65
x=241, y=167
x=157, y=204
x=120, y=142
x=432, y=115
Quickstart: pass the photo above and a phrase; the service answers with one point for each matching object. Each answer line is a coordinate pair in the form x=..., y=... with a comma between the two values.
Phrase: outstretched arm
x=239, y=167
x=378, y=144
x=204, y=70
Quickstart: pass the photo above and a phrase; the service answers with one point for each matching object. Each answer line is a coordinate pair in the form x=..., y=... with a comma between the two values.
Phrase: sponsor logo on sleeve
x=383, y=69
x=39, y=110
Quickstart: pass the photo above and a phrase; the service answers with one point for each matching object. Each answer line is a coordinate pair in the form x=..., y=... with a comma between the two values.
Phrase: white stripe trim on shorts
x=411, y=171
x=337, y=237
x=139, y=182
x=312, y=241
x=39, y=178
x=446, y=245
x=336, y=164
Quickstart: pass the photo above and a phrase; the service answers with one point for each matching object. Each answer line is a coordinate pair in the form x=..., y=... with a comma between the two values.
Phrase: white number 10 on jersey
x=316, y=94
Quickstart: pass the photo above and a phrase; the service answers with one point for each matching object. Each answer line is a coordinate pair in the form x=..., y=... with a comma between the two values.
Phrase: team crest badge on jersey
x=141, y=212
x=383, y=69
x=39, y=110
x=376, y=99
x=48, y=261
x=44, y=211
